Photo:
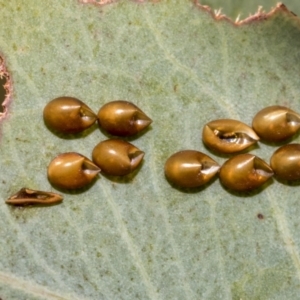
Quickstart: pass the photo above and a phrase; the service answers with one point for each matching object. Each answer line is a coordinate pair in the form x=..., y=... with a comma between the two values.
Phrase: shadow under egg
x=192, y=190
x=249, y=193
x=125, y=179
x=229, y=155
x=125, y=138
x=283, y=142
x=78, y=191
x=286, y=182
x=72, y=136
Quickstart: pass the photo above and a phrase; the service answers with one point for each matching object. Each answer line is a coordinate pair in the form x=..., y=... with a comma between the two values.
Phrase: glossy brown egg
x=68, y=115
x=228, y=136
x=116, y=157
x=122, y=118
x=27, y=196
x=285, y=162
x=276, y=123
x=190, y=168
x=244, y=172
x=71, y=171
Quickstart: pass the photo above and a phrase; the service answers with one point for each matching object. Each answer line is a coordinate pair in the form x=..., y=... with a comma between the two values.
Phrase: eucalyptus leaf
x=139, y=237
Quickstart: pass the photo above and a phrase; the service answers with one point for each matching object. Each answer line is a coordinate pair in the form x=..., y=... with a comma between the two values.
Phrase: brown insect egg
x=244, y=172
x=190, y=168
x=122, y=118
x=116, y=157
x=228, y=136
x=285, y=162
x=276, y=123
x=27, y=196
x=71, y=171
x=68, y=115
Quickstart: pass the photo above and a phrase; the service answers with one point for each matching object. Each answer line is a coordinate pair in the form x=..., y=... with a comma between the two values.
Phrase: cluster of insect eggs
x=243, y=172
x=114, y=157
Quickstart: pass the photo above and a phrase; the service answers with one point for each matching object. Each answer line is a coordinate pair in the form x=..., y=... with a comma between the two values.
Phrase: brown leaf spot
x=260, y=216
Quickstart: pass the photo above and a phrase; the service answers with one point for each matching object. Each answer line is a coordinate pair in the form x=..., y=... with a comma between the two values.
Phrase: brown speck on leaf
x=20, y=140
x=260, y=216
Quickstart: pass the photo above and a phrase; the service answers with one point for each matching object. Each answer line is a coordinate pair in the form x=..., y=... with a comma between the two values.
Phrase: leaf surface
x=139, y=238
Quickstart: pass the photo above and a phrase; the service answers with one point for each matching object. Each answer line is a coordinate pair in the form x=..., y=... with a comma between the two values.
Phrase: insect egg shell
x=228, y=136
x=190, y=168
x=71, y=170
x=122, y=118
x=244, y=172
x=276, y=123
x=68, y=115
x=117, y=157
x=285, y=162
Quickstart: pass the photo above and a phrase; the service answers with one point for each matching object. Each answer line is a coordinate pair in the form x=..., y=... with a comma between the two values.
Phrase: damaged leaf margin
x=104, y=2
x=260, y=15
x=7, y=87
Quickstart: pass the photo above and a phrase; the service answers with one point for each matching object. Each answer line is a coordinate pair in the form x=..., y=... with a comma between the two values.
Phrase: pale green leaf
x=140, y=238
